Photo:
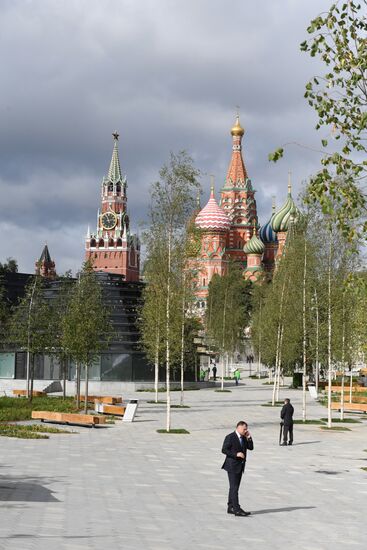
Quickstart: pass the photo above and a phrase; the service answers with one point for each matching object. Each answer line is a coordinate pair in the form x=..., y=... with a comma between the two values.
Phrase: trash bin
x=297, y=379
x=130, y=410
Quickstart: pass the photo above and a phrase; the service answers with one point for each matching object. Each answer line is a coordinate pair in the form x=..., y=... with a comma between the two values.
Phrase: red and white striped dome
x=212, y=217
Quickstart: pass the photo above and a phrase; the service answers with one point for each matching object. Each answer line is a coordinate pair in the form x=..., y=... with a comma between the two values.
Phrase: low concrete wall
x=96, y=387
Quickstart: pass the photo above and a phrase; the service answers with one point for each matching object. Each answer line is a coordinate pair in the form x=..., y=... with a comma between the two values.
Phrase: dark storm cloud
x=167, y=74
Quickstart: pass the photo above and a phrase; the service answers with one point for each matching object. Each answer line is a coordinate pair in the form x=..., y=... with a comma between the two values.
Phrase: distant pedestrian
x=214, y=369
x=286, y=414
x=235, y=447
x=237, y=376
x=202, y=374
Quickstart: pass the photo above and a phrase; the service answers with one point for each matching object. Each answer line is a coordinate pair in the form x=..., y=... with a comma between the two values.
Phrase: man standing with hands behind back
x=235, y=448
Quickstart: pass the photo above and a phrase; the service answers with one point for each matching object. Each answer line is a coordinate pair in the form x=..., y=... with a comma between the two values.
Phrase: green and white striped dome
x=287, y=213
x=254, y=245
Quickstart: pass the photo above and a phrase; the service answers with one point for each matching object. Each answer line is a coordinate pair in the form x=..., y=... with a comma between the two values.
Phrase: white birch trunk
x=276, y=366
x=351, y=386
x=222, y=380
x=183, y=340
x=223, y=337
x=317, y=373
x=279, y=362
x=168, y=334
x=86, y=388
x=342, y=399
x=304, y=335
x=29, y=338
x=329, y=422
x=343, y=363
x=156, y=368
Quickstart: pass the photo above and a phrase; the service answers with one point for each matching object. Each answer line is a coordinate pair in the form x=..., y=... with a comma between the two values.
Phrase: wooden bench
x=68, y=418
x=356, y=399
x=23, y=393
x=109, y=399
x=105, y=408
x=359, y=407
x=346, y=388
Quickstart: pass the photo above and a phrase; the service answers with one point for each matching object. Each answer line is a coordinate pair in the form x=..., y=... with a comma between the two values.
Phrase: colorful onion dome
x=280, y=220
x=266, y=233
x=254, y=245
x=212, y=217
x=237, y=129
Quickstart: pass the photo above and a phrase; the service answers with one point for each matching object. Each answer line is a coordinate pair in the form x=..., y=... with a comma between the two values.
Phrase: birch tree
x=85, y=325
x=172, y=203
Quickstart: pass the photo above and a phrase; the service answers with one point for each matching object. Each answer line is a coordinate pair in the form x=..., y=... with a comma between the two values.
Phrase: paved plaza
x=127, y=487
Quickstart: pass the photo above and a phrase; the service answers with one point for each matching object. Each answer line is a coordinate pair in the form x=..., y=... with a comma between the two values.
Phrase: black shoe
x=283, y=444
x=289, y=443
x=242, y=513
x=230, y=510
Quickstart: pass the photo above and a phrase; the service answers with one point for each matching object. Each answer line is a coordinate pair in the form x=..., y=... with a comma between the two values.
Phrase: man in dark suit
x=235, y=448
x=286, y=414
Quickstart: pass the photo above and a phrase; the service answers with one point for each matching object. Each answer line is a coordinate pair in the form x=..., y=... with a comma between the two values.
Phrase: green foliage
x=228, y=309
x=336, y=428
x=14, y=409
x=85, y=324
x=174, y=431
x=168, y=270
x=10, y=266
x=32, y=431
x=278, y=305
x=11, y=430
x=339, y=97
x=30, y=324
x=345, y=420
x=322, y=421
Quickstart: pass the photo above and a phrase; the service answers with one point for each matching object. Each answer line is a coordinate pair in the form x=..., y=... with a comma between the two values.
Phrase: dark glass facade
x=123, y=360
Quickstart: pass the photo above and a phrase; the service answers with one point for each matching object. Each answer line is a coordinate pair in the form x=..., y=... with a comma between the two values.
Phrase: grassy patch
x=309, y=421
x=174, y=431
x=180, y=407
x=157, y=402
x=19, y=408
x=346, y=420
x=336, y=428
x=269, y=404
x=31, y=431
x=363, y=468
x=224, y=391
x=256, y=377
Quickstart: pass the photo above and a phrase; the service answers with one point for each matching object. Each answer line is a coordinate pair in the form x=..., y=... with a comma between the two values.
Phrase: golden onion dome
x=237, y=129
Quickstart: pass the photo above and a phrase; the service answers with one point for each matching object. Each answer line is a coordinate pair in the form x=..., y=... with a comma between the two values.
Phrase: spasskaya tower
x=112, y=248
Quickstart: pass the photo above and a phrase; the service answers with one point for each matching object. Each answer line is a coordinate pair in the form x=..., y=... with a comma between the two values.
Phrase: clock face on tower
x=109, y=220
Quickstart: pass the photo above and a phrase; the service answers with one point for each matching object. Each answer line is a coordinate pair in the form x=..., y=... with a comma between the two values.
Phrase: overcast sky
x=167, y=74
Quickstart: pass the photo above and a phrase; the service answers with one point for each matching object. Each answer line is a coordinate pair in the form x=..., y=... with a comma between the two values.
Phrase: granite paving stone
x=126, y=486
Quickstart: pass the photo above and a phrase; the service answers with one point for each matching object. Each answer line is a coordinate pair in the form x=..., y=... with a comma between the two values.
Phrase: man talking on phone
x=235, y=447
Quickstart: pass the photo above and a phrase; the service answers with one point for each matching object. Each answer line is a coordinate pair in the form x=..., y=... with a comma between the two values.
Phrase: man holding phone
x=235, y=448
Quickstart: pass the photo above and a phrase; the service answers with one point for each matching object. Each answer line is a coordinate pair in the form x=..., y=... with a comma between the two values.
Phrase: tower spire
x=273, y=204
x=289, y=182
x=236, y=175
x=45, y=267
x=114, y=173
x=211, y=185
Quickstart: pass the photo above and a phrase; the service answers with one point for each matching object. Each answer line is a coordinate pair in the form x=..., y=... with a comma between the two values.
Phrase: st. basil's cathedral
x=230, y=230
